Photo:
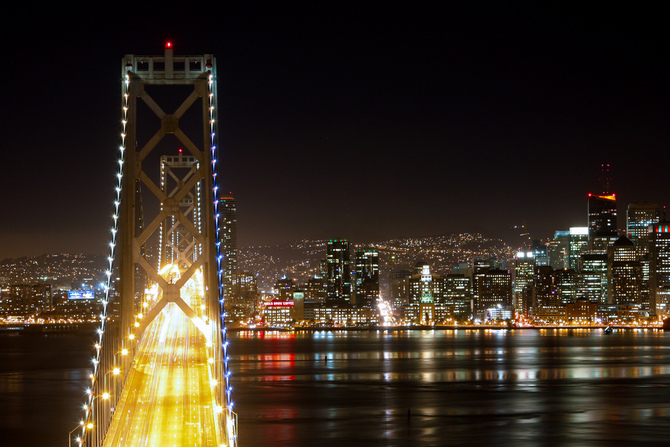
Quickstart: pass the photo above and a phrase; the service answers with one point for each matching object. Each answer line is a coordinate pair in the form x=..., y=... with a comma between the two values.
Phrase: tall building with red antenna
x=602, y=209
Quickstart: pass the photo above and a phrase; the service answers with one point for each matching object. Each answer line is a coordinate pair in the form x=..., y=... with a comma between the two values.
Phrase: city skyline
x=366, y=122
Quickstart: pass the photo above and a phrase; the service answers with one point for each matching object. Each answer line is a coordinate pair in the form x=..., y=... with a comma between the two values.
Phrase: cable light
x=108, y=285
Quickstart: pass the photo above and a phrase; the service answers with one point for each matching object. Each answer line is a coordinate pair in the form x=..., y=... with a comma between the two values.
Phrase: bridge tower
x=165, y=263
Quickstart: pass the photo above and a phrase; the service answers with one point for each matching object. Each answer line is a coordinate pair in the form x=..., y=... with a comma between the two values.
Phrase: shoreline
x=443, y=328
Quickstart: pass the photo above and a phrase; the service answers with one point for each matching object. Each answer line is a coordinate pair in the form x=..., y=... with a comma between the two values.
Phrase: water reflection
x=516, y=386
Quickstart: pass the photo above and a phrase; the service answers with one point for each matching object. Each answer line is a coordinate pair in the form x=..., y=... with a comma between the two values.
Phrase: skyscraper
x=457, y=293
x=638, y=218
x=602, y=211
x=228, y=238
x=595, y=265
x=623, y=273
x=338, y=276
x=367, y=277
x=578, y=240
x=494, y=289
x=559, y=249
x=659, y=268
x=602, y=214
x=177, y=243
x=524, y=272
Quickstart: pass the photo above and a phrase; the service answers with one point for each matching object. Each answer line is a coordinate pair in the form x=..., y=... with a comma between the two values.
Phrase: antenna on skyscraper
x=605, y=178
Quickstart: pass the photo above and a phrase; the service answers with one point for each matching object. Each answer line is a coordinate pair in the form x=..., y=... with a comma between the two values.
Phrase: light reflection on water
x=386, y=388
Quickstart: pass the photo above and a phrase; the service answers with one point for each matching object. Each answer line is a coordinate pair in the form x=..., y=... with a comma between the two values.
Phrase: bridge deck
x=168, y=400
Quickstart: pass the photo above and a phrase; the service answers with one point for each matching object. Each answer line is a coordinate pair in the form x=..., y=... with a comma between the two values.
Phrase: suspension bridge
x=159, y=371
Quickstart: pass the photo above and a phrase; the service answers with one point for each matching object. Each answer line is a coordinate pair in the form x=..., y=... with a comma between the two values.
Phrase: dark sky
x=365, y=121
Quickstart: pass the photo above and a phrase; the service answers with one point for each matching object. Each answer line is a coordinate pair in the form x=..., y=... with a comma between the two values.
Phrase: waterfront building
x=345, y=316
x=278, y=313
x=429, y=313
x=582, y=311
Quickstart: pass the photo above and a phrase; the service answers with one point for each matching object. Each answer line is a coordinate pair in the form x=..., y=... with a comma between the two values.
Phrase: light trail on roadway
x=169, y=399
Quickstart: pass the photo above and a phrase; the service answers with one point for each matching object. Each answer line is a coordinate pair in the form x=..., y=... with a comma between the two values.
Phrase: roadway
x=168, y=399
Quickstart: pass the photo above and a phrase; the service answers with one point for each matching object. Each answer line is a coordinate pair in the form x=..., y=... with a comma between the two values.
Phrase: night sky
x=339, y=119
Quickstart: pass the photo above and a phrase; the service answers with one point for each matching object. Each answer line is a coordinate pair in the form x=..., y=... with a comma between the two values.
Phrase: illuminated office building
x=399, y=286
x=595, y=265
x=316, y=291
x=547, y=304
x=638, y=218
x=558, y=249
x=479, y=268
x=659, y=268
x=623, y=273
x=228, y=239
x=242, y=302
x=457, y=294
x=284, y=288
x=524, y=272
x=578, y=239
x=602, y=214
x=367, y=277
x=540, y=253
x=338, y=276
x=494, y=289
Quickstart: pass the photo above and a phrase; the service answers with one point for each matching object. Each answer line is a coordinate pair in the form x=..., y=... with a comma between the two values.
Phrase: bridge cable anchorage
x=180, y=307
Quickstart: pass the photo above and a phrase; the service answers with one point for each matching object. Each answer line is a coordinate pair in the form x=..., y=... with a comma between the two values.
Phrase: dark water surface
x=42, y=381
x=410, y=388
x=434, y=388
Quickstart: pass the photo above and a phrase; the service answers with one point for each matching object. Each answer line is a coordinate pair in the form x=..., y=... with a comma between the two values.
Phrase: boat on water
x=608, y=330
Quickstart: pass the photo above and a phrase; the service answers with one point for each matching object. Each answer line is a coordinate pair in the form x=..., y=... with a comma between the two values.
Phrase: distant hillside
x=59, y=269
x=300, y=260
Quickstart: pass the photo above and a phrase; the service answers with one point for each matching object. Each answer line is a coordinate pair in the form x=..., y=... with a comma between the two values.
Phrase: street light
x=104, y=396
x=69, y=436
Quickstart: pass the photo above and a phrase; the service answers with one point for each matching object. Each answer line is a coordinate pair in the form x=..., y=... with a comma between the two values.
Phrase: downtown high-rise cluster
x=597, y=273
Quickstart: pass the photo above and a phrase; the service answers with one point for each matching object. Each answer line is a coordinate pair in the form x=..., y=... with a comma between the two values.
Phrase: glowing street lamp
x=69, y=436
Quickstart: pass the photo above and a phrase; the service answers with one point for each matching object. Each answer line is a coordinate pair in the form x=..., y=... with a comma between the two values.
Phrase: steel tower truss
x=185, y=223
